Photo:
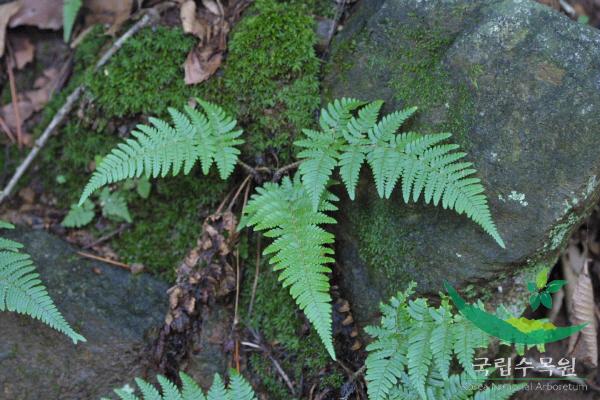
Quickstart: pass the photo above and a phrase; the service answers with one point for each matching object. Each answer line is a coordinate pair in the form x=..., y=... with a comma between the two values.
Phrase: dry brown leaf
x=32, y=100
x=22, y=50
x=213, y=7
x=6, y=12
x=189, y=22
x=112, y=12
x=201, y=64
x=583, y=310
x=45, y=14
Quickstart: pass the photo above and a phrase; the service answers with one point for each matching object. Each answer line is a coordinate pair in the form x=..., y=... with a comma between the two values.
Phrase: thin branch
x=6, y=129
x=71, y=100
x=109, y=235
x=256, y=275
x=105, y=260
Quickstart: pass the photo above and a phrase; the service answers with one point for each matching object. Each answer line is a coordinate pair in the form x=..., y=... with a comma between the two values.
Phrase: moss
x=272, y=75
x=269, y=80
x=145, y=76
x=299, y=350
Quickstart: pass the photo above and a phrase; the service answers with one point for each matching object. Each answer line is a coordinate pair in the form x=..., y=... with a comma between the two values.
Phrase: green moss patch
x=298, y=348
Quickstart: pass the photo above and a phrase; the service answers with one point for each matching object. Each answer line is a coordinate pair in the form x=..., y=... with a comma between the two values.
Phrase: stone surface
x=518, y=85
x=109, y=306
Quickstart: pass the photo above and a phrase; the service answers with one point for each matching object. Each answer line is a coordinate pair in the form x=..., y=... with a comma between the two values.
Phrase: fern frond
x=22, y=291
x=413, y=349
x=300, y=249
x=159, y=148
x=424, y=163
x=419, y=352
x=79, y=215
x=239, y=389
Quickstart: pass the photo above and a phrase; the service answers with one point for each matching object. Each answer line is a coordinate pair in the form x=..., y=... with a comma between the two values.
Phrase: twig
x=279, y=173
x=568, y=8
x=66, y=108
x=14, y=96
x=275, y=363
x=256, y=274
x=6, y=129
x=103, y=259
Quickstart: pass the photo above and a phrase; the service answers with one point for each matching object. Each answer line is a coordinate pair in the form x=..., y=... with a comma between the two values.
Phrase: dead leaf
x=189, y=22
x=583, y=309
x=32, y=100
x=201, y=64
x=6, y=12
x=22, y=50
x=46, y=14
x=213, y=7
x=112, y=12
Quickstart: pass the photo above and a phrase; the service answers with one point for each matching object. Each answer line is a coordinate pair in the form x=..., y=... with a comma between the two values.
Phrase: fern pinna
x=426, y=165
x=300, y=249
x=239, y=389
x=22, y=291
x=413, y=348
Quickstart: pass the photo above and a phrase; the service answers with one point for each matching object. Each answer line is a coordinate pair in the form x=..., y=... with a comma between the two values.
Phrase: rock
x=110, y=307
x=518, y=85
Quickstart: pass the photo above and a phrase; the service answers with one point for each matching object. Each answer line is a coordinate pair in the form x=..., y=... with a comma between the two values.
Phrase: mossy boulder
x=517, y=85
x=109, y=306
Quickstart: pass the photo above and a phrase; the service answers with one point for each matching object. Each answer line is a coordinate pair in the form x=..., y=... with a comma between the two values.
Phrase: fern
x=159, y=149
x=79, y=215
x=70, y=10
x=22, y=291
x=413, y=348
x=300, y=249
x=114, y=205
x=426, y=165
x=239, y=389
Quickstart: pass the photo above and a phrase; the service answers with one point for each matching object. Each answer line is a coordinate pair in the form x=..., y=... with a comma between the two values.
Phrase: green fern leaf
x=239, y=388
x=190, y=389
x=300, y=249
x=114, y=206
x=149, y=392
x=70, y=10
x=22, y=291
x=218, y=390
x=467, y=338
x=424, y=164
x=79, y=215
x=159, y=149
x=419, y=353
x=442, y=340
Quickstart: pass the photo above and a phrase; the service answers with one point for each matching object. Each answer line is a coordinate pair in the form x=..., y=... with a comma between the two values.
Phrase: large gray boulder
x=518, y=85
x=111, y=307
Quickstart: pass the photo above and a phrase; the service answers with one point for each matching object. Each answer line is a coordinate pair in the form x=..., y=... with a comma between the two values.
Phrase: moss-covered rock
x=503, y=78
x=269, y=80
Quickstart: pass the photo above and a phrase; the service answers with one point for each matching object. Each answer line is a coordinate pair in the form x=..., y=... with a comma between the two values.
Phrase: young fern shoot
x=425, y=164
